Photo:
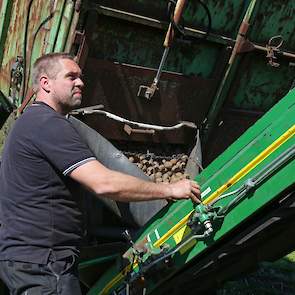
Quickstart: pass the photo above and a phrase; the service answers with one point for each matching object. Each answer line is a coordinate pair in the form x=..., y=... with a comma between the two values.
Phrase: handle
x=176, y=18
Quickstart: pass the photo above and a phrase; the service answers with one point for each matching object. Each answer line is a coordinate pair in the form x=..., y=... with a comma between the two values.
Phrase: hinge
x=16, y=79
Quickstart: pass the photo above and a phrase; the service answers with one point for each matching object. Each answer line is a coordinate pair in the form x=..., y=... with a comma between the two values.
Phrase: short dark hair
x=47, y=64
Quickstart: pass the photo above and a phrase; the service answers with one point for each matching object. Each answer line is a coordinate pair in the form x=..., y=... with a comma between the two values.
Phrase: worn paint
x=275, y=18
x=257, y=86
x=65, y=24
x=47, y=24
x=249, y=86
x=197, y=66
x=167, y=107
x=5, y=13
x=121, y=42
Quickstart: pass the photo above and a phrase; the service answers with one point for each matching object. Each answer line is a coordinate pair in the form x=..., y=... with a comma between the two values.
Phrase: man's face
x=66, y=87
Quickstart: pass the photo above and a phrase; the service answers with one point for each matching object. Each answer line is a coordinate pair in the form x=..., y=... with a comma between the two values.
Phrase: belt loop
x=52, y=256
x=69, y=265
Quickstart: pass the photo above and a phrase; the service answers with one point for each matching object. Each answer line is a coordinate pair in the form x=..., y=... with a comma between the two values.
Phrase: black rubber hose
x=179, y=28
x=31, y=51
x=25, y=49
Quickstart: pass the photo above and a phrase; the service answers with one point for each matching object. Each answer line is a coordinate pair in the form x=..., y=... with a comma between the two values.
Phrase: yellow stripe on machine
x=243, y=172
x=288, y=134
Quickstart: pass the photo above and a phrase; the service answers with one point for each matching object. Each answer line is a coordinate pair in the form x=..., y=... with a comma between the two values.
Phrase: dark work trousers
x=56, y=278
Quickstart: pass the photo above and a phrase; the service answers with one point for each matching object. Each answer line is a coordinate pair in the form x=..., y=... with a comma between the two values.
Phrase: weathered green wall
x=254, y=85
x=29, y=29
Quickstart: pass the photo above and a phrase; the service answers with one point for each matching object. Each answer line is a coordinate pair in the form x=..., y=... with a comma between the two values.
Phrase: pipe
x=138, y=124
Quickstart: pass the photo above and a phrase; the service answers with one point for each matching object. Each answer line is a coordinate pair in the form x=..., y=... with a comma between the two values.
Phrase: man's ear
x=44, y=83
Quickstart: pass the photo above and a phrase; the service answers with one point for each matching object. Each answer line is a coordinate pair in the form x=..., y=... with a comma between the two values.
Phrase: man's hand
x=185, y=189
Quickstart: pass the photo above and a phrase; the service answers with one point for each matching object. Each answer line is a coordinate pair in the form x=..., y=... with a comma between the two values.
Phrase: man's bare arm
x=126, y=188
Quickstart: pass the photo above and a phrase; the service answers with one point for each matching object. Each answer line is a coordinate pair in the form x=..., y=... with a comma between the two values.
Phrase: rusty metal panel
x=258, y=86
x=180, y=98
x=226, y=15
x=274, y=18
x=156, y=9
x=15, y=41
x=126, y=43
x=34, y=28
x=250, y=84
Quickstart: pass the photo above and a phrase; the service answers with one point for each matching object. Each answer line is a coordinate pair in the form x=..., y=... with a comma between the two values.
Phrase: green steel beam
x=65, y=25
x=55, y=25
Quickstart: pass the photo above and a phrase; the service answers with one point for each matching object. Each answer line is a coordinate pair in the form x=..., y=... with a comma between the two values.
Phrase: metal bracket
x=129, y=130
x=16, y=78
x=271, y=48
x=82, y=47
x=86, y=110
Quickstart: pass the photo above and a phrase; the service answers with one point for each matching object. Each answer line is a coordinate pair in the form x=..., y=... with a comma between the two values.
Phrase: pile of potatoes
x=161, y=169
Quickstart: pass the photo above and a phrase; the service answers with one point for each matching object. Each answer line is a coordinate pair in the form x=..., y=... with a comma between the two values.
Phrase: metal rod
x=219, y=98
x=283, y=53
x=159, y=72
x=259, y=177
x=142, y=125
x=152, y=22
x=193, y=32
x=148, y=92
x=274, y=165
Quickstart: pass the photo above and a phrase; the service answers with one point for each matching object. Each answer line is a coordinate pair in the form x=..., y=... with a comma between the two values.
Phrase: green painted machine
x=219, y=89
x=258, y=169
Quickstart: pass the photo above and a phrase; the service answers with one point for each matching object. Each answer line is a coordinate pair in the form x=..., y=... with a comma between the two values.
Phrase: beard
x=69, y=104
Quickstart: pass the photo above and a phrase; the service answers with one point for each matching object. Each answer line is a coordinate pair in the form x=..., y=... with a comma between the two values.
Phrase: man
x=42, y=159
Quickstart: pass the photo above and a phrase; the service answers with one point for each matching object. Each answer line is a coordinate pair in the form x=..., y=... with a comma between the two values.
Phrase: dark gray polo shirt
x=39, y=215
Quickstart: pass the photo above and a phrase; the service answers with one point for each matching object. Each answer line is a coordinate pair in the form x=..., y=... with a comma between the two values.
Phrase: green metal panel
x=240, y=76
x=73, y=27
x=65, y=25
x=56, y=25
x=250, y=85
x=29, y=29
x=257, y=87
x=226, y=15
x=125, y=43
x=274, y=18
x=5, y=12
x=262, y=144
x=140, y=45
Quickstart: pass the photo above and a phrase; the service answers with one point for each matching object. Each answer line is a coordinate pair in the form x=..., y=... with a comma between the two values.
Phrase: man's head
x=57, y=81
